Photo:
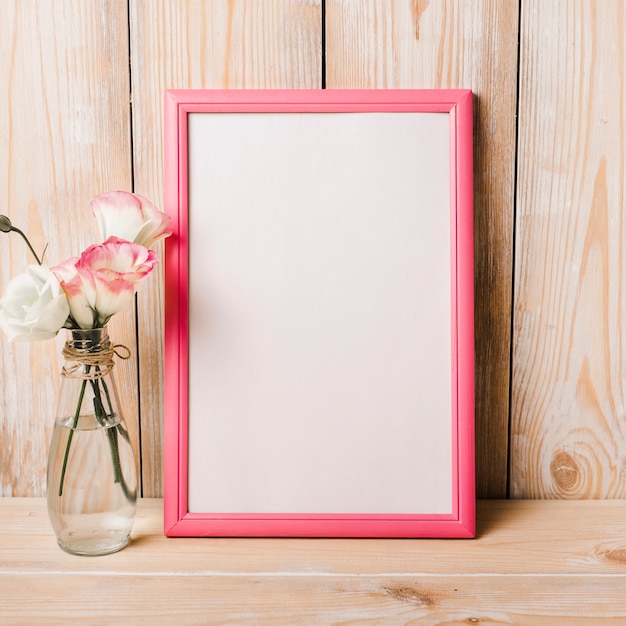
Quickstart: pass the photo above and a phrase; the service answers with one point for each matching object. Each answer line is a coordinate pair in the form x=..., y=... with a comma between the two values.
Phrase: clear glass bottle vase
x=92, y=479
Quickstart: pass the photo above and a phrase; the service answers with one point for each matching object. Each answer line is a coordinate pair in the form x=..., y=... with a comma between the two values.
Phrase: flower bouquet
x=92, y=483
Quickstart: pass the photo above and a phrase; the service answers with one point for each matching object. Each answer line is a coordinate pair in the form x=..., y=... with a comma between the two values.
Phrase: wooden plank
x=547, y=562
x=64, y=137
x=448, y=44
x=568, y=429
x=301, y=599
x=218, y=44
x=515, y=537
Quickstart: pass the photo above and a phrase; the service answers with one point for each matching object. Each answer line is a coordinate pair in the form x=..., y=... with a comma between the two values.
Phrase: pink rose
x=102, y=281
x=130, y=216
x=80, y=289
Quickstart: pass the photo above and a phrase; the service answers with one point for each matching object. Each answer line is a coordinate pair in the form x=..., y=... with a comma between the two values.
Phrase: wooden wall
x=81, y=84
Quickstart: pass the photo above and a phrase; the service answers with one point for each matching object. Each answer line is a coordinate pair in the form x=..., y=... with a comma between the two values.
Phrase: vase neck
x=89, y=340
x=89, y=353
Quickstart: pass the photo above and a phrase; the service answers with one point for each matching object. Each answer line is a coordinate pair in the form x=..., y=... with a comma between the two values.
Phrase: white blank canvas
x=318, y=322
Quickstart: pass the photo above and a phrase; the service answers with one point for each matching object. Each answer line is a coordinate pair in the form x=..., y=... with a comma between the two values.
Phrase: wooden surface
x=568, y=427
x=533, y=562
x=81, y=113
x=64, y=138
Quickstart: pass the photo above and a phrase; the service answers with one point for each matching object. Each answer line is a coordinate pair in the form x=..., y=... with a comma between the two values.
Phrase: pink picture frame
x=319, y=316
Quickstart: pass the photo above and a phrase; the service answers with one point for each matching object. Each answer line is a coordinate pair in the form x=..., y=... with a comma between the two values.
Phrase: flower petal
x=34, y=306
x=131, y=217
x=80, y=289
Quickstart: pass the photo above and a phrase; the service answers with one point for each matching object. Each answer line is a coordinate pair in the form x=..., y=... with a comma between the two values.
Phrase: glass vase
x=92, y=479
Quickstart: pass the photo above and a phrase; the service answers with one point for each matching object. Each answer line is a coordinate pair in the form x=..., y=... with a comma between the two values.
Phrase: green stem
x=103, y=415
x=117, y=467
x=25, y=238
x=121, y=431
x=69, y=438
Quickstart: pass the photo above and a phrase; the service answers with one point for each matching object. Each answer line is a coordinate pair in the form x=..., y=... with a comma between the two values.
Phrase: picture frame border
x=178, y=520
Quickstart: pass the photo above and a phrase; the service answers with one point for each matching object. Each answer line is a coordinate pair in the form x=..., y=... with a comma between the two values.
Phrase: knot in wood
x=613, y=555
x=565, y=471
x=407, y=594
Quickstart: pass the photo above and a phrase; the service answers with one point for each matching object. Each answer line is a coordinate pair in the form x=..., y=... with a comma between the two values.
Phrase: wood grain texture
x=65, y=128
x=221, y=44
x=534, y=562
x=448, y=44
x=64, y=137
x=568, y=428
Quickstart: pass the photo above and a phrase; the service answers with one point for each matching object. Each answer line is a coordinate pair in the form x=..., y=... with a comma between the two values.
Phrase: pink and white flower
x=102, y=281
x=80, y=292
x=85, y=291
x=130, y=216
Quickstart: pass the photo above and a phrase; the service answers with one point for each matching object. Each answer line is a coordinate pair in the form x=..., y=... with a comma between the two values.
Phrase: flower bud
x=5, y=224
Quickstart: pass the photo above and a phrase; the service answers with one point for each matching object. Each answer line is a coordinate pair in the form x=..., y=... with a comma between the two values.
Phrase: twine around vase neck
x=95, y=364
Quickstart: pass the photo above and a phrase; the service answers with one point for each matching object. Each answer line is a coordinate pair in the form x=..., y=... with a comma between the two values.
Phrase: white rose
x=34, y=306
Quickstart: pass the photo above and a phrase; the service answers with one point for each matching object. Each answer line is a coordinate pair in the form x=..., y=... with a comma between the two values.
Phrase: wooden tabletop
x=533, y=562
